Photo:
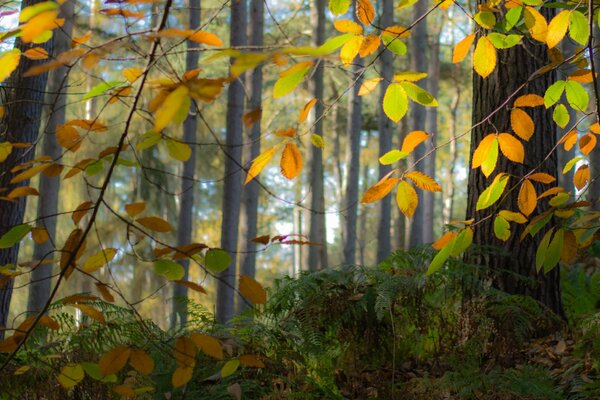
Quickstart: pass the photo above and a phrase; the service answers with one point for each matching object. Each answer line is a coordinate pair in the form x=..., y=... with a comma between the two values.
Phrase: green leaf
x=93, y=371
x=169, y=269
x=511, y=18
x=217, y=260
x=440, y=258
x=70, y=375
x=493, y=192
x=540, y=254
x=392, y=156
x=501, y=41
x=570, y=164
x=462, y=242
x=32, y=11
x=501, y=228
x=339, y=7
x=554, y=93
x=485, y=19
x=577, y=95
x=14, y=236
x=179, y=151
x=561, y=115
x=419, y=95
x=328, y=47
x=288, y=83
x=102, y=88
x=554, y=250
x=394, y=44
x=578, y=28
x=539, y=224
x=395, y=102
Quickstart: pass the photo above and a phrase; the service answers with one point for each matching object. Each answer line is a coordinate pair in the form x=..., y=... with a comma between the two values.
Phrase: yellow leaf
x=511, y=147
x=207, y=38
x=482, y=151
x=229, y=368
x=179, y=151
x=395, y=102
x=369, y=45
x=317, y=141
x=423, y=181
x=170, y=107
x=39, y=235
x=529, y=100
x=412, y=140
x=484, y=57
x=409, y=76
x=587, y=143
x=259, y=163
x=350, y=49
x=368, y=86
x=512, y=216
x=181, y=376
x=92, y=313
x=37, y=25
x=536, y=24
x=208, y=345
x=557, y=29
x=22, y=191
x=347, y=26
x=68, y=137
x=407, y=199
x=131, y=74
x=551, y=192
x=521, y=124
x=291, y=161
x=379, y=190
x=141, y=361
x=134, y=209
x=252, y=290
x=155, y=224
x=99, y=260
x=81, y=210
x=5, y=149
x=462, y=48
x=527, y=200
x=542, y=177
x=185, y=352
x=306, y=109
x=70, y=375
x=581, y=177
x=365, y=11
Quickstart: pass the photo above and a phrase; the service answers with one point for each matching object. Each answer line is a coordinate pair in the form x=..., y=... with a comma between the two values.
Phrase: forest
x=299, y=199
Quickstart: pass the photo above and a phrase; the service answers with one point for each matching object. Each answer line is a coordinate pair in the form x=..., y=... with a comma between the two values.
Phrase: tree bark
x=249, y=212
x=386, y=132
x=232, y=185
x=516, y=273
x=568, y=48
x=186, y=207
x=567, y=181
x=316, y=256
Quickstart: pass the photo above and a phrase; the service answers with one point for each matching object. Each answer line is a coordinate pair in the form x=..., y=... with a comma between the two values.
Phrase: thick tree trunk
x=249, y=212
x=516, y=273
x=352, y=166
x=232, y=186
x=386, y=131
x=316, y=255
x=568, y=48
x=418, y=63
x=25, y=101
x=186, y=207
x=39, y=286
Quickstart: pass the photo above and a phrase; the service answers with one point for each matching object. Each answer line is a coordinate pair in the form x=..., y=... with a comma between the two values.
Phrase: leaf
x=190, y=285
x=409, y=76
x=379, y=190
x=552, y=256
x=39, y=235
x=208, y=345
x=484, y=57
x=493, y=192
x=485, y=19
x=178, y=150
x=557, y=29
x=252, y=117
x=252, y=290
x=249, y=360
x=91, y=312
x=185, y=352
x=102, y=88
x=587, y=143
x=232, y=365
x=536, y=24
x=570, y=164
x=412, y=140
x=5, y=150
x=407, y=199
x=317, y=141
x=542, y=249
x=31, y=172
x=8, y=63
x=522, y=124
x=393, y=44
x=114, y=361
x=529, y=100
x=501, y=228
x=259, y=163
x=68, y=137
x=395, y=102
x=501, y=41
x=512, y=216
x=181, y=376
x=511, y=147
x=347, y=26
x=291, y=161
x=369, y=45
x=554, y=93
x=81, y=210
x=99, y=260
x=391, y=157
x=486, y=155
x=444, y=240
x=169, y=109
x=576, y=95
x=350, y=50
x=104, y=292
x=365, y=11
x=419, y=95
x=124, y=390
x=339, y=7
x=462, y=48
x=141, y=361
x=134, y=209
x=423, y=181
x=70, y=375
x=527, y=199
x=561, y=115
x=169, y=269
x=542, y=177
x=581, y=177
x=578, y=28
x=217, y=260
x=207, y=38
x=14, y=236
x=306, y=109
x=155, y=224
x=290, y=78
x=368, y=86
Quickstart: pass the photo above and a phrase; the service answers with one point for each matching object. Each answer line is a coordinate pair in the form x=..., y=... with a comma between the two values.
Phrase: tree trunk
x=25, y=101
x=453, y=150
x=352, y=166
x=186, y=208
x=232, y=185
x=40, y=281
x=386, y=132
x=316, y=255
x=249, y=212
x=567, y=181
x=516, y=273
x=418, y=63
x=363, y=234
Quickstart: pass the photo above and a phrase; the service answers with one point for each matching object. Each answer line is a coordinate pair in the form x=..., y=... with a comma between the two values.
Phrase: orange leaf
x=39, y=235
x=291, y=161
x=581, y=177
x=412, y=140
x=347, y=26
x=134, y=209
x=81, y=210
x=522, y=124
x=252, y=117
x=252, y=290
x=286, y=133
x=207, y=38
x=92, y=313
x=511, y=147
x=36, y=53
x=365, y=11
x=462, y=48
x=68, y=137
x=181, y=376
x=527, y=200
x=185, y=352
x=141, y=362
x=423, y=181
x=22, y=191
x=379, y=190
x=569, y=139
x=444, y=240
x=155, y=224
x=249, y=360
x=542, y=177
x=587, y=143
x=190, y=285
x=29, y=173
x=529, y=100
x=208, y=345
x=104, y=292
x=369, y=45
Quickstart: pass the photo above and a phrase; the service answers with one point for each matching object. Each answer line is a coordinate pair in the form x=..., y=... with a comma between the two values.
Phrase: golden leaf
x=260, y=162
x=291, y=161
x=529, y=100
x=306, y=109
x=185, y=352
x=581, y=177
x=365, y=11
x=379, y=190
x=134, y=209
x=527, y=200
x=252, y=290
x=412, y=140
x=407, y=199
x=462, y=48
x=423, y=181
x=208, y=345
x=347, y=26
x=181, y=376
x=155, y=224
x=521, y=124
x=511, y=147
x=141, y=361
x=541, y=177
x=92, y=313
x=484, y=57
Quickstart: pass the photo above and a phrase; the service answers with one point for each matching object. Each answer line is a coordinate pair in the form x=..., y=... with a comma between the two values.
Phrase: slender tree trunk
x=514, y=67
x=567, y=181
x=352, y=165
x=249, y=212
x=39, y=287
x=386, y=132
x=316, y=255
x=232, y=186
x=186, y=208
x=25, y=101
x=453, y=150
x=418, y=63
x=568, y=48
x=363, y=230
